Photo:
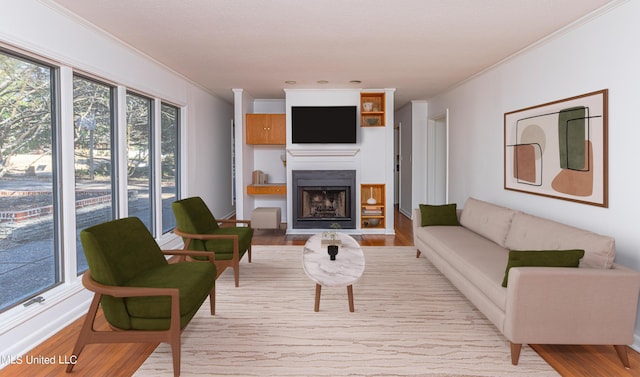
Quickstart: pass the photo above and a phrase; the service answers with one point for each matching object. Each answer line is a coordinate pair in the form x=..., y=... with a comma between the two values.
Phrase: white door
x=437, y=161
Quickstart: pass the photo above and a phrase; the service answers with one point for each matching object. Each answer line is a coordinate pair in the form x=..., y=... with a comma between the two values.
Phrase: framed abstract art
x=559, y=149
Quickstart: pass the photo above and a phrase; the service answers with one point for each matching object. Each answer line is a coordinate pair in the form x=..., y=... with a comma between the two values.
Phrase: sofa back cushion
x=489, y=220
x=530, y=232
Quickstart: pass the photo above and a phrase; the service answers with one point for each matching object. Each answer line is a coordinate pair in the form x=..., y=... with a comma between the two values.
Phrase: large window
x=29, y=250
x=93, y=112
x=139, y=184
x=169, y=144
x=139, y=177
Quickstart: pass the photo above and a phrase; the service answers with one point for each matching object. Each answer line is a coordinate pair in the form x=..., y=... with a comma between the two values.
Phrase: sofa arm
x=552, y=305
x=416, y=220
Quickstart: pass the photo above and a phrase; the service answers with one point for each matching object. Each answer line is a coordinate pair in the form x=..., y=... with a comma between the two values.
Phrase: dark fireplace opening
x=324, y=202
x=323, y=199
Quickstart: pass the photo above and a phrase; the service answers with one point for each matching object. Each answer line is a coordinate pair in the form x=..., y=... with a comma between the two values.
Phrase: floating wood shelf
x=267, y=189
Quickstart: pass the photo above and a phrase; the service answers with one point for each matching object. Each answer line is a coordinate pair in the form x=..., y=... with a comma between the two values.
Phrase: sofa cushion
x=481, y=261
x=542, y=258
x=487, y=219
x=438, y=214
x=530, y=232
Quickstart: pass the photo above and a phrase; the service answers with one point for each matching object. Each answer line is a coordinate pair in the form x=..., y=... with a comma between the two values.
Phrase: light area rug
x=408, y=321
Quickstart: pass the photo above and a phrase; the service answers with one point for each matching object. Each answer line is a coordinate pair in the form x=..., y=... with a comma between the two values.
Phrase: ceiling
x=419, y=47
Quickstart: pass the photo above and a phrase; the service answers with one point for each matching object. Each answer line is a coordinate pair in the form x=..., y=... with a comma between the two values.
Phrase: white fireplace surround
x=323, y=158
x=329, y=180
x=322, y=152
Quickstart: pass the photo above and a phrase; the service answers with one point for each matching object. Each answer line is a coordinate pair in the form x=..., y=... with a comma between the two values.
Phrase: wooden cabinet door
x=257, y=128
x=266, y=129
x=278, y=130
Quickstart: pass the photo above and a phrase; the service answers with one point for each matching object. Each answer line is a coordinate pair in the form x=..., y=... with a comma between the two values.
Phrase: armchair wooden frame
x=89, y=335
x=221, y=265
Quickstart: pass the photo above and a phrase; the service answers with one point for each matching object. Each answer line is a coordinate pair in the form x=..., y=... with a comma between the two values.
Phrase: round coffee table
x=345, y=270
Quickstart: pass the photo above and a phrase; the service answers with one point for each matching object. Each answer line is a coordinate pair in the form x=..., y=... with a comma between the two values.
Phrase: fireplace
x=322, y=198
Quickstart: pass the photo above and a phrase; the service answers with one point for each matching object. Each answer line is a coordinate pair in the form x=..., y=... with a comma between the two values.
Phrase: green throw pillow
x=542, y=258
x=439, y=215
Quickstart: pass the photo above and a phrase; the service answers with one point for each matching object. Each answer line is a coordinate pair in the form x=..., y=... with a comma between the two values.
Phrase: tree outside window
x=29, y=252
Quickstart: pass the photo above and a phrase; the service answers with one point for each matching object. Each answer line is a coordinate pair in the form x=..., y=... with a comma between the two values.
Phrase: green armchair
x=143, y=296
x=200, y=230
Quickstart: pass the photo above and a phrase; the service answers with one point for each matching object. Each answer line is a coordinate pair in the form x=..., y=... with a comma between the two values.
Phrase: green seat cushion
x=195, y=280
x=439, y=214
x=542, y=258
x=224, y=248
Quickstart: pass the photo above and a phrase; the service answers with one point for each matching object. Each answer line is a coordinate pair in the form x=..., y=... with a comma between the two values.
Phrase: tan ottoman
x=266, y=218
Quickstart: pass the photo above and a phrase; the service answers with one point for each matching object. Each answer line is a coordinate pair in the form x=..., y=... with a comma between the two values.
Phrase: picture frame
x=559, y=149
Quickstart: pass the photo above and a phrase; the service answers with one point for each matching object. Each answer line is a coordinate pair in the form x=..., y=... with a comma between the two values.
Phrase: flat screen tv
x=323, y=124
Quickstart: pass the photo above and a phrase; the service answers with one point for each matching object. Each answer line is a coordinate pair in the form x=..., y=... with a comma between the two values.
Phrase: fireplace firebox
x=322, y=198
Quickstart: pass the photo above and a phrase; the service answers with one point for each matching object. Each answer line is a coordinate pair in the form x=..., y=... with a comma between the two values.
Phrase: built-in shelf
x=372, y=109
x=372, y=206
x=267, y=189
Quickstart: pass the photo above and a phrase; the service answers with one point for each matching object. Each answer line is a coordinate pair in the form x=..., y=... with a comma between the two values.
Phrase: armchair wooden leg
x=86, y=331
x=515, y=353
x=621, y=350
x=249, y=252
x=236, y=274
x=418, y=254
x=175, y=350
x=212, y=300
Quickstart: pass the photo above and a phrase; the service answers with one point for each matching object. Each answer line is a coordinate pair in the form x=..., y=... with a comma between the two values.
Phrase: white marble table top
x=345, y=270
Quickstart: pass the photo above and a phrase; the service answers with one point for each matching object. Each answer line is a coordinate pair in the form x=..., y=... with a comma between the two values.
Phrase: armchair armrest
x=204, y=237
x=553, y=305
x=233, y=221
x=191, y=253
x=117, y=291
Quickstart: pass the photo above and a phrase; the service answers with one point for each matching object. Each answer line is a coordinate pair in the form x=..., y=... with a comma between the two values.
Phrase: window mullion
x=121, y=151
x=67, y=174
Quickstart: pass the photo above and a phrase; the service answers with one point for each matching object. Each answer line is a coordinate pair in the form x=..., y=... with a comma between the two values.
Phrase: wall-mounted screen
x=323, y=124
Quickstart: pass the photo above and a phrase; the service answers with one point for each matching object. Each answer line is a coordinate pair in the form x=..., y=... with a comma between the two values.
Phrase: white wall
x=208, y=151
x=595, y=55
x=41, y=29
x=419, y=153
x=404, y=119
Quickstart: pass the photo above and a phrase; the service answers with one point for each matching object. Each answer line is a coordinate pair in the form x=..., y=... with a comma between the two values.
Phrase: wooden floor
x=124, y=359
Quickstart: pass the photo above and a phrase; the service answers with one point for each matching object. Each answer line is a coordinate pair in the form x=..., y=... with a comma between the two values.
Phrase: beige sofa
x=593, y=304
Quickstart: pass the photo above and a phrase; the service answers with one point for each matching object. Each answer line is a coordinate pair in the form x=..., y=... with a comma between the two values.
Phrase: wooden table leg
x=350, y=294
x=317, y=306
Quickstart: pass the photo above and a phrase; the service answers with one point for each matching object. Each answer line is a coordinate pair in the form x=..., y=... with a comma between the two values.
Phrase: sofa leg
x=418, y=254
x=622, y=354
x=515, y=353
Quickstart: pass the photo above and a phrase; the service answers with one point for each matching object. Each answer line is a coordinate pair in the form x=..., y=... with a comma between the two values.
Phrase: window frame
x=178, y=162
x=54, y=82
x=113, y=148
x=152, y=167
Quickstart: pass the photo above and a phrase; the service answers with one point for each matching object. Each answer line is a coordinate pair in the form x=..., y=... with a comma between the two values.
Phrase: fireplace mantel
x=321, y=152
